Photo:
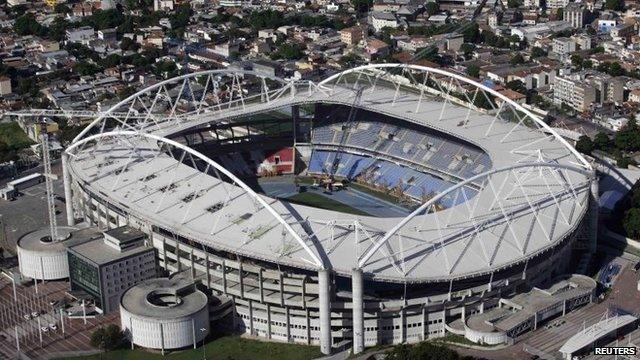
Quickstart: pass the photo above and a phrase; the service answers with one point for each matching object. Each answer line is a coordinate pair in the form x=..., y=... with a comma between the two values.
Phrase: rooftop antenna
x=48, y=179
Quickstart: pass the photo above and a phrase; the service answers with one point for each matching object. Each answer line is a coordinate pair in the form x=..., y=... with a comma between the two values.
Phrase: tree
x=86, y=68
x=601, y=141
x=537, y=52
x=362, y=6
x=584, y=145
x=287, y=51
x=514, y=4
x=423, y=351
x=628, y=138
x=471, y=34
x=467, y=48
x=107, y=338
x=27, y=25
x=473, y=71
x=559, y=14
x=517, y=85
x=615, y=69
x=631, y=223
x=616, y=5
x=126, y=91
x=517, y=59
x=577, y=60
x=62, y=9
x=432, y=8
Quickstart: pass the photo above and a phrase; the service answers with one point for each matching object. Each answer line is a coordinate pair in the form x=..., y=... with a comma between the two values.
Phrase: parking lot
x=27, y=213
x=49, y=333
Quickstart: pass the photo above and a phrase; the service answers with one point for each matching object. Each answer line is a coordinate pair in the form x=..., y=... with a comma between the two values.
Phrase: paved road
x=27, y=213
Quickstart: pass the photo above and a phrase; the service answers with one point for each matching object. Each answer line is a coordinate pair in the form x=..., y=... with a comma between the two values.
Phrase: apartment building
x=583, y=89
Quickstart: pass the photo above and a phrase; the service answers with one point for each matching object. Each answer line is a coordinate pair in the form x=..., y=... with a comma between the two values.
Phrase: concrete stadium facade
x=288, y=278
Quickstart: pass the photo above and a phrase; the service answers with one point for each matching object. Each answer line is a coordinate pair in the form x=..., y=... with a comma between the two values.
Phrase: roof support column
x=324, y=297
x=68, y=196
x=357, y=304
x=251, y=331
x=268, y=321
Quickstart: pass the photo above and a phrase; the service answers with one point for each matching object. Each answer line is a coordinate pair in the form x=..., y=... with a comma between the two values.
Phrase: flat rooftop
x=100, y=253
x=522, y=307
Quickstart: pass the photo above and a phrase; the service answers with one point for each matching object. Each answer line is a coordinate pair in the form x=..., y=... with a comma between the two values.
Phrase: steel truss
x=518, y=207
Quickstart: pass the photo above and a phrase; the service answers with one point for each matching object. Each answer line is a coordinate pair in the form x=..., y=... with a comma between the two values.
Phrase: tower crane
x=48, y=179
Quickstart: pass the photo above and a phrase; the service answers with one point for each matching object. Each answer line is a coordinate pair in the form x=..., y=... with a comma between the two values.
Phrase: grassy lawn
x=223, y=348
x=12, y=135
x=323, y=202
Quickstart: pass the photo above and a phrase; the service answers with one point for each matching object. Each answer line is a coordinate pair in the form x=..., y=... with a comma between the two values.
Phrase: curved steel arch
x=458, y=77
x=169, y=81
x=367, y=256
x=220, y=168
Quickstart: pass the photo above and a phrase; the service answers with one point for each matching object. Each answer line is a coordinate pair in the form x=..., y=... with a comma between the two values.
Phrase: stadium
x=377, y=206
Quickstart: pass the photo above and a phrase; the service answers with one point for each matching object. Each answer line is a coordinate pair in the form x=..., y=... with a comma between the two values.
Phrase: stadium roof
x=536, y=193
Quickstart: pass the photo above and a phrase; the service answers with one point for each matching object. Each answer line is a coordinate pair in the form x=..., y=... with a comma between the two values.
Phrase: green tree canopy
x=517, y=59
x=616, y=5
x=473, y=71
x=106, y=338
x=601, y=141
x=432, y=8
x=537, y=52
x=584, y=145
x=27, y=24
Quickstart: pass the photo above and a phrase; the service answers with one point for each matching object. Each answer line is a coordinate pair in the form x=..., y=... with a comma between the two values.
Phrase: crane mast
x=48, y=179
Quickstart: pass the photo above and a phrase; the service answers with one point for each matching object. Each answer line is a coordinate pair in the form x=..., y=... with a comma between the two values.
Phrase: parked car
x=35, y=314
x=53, y=327
x=27, y=316
x=44, y=329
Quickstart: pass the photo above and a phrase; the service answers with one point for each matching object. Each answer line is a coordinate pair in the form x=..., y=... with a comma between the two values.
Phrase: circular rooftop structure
x=42, y=259
x=164, y=313
x=499, y=186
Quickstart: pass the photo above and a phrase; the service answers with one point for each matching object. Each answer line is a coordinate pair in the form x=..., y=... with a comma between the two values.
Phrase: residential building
x=622, y=32
x=563, y=46
x=382, y=20
x=81, y=34
x=493, y=19
x=634, y=96
x=605, y=25
x=162, y=5
x=574, y=93
x=585, y=88
x=106, y=267
x=352, y=35
x=583, y=41
x=376, y=48
x=575, y=14
x=5, y=86
x=557, y=4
